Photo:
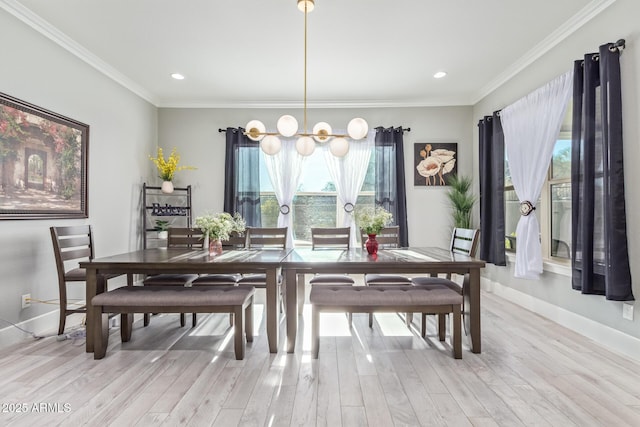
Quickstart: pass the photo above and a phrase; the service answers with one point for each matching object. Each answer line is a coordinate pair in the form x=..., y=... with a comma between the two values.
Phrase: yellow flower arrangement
x=169, y=167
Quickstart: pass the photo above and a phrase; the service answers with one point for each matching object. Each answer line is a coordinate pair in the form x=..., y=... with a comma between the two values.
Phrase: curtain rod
x=220, y=130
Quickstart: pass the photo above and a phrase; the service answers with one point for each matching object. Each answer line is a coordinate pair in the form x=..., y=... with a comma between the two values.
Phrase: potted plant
x=163, y=228
x=218, y=228
x=372, y=220
x=461, y=200
x=167, y=168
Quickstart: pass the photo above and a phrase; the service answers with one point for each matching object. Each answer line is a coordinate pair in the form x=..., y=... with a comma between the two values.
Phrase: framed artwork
x=43, y=163
x=433, y=162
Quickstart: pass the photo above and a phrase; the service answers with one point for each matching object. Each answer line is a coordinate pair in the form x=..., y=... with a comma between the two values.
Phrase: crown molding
x=572, y=25
x=25, y=15
x=320, y=105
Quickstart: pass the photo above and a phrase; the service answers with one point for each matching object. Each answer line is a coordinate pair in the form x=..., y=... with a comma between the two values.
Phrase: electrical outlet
x=627, y=311
x=26, y=300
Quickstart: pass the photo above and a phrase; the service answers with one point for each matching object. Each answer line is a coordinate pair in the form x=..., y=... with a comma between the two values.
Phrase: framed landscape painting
x=434, y=162
x=43, y=163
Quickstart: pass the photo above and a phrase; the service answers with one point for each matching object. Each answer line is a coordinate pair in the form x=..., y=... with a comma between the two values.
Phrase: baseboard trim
x=611, y=338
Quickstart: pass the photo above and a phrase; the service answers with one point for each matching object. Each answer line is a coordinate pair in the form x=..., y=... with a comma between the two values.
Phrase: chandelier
x=288, y=125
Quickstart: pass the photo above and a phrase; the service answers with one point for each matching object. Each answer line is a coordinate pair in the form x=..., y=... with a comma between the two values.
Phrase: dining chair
x=264, y=238
x=388, y=238
x=179, y=237
x=463, y=241
x=236, y=241
x=72, y=244
x=331, y=238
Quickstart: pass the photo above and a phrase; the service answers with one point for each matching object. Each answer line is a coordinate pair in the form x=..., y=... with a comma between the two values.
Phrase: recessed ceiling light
x=439, y=74
x=177, y=76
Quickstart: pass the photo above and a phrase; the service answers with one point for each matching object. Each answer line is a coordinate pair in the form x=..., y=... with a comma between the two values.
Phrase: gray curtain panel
x=492, y=190
x=600, y=260
x=242, y=177
x=390, y=190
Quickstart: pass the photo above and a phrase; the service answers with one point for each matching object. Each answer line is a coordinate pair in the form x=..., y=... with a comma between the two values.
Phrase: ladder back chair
x=331, y=238
x=463, y=241
x=388, y=238
x=72, y=244
x=264, y=238
x=236, y=241
x=179, y=237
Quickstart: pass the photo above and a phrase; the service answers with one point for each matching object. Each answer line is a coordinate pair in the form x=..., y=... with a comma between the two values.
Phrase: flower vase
x=371, y=244
x=215, y=247
x=167, y=187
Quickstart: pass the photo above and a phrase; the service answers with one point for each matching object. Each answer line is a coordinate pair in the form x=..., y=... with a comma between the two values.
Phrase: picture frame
x=43, y=163
x=434, y=162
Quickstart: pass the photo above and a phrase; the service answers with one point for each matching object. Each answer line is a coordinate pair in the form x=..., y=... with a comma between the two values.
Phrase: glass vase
x=371, y=244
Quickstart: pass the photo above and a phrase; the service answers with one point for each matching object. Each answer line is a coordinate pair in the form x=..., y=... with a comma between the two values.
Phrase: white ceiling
x=249, y=53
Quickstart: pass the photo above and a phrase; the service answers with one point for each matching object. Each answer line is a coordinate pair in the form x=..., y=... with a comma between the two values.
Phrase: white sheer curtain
x=284, y=170
x=348, y=174
x=531, y=126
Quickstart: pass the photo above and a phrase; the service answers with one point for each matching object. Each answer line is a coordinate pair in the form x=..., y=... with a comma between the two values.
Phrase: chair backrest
x=465, y=241
x=389, y=237
x=266, y=238
x=236, y=241
x=73, y=243
x=330, y=237
x=185, y=237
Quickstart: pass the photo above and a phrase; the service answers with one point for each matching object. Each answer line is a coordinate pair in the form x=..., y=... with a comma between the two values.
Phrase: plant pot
x=371, y=244
x=163, y=234
x=167, y=187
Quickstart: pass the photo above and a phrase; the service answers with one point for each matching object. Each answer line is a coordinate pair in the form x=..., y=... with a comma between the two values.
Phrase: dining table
x=292, y=265
x=430, y=261
x=184, y=260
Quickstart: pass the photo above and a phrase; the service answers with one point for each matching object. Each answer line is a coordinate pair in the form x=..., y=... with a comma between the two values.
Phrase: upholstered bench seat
x=397, y=298
x=172, y=299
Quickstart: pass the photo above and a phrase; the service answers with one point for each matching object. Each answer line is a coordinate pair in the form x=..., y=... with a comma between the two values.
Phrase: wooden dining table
x=292, y=263
x=423, y=261
x=180, y=261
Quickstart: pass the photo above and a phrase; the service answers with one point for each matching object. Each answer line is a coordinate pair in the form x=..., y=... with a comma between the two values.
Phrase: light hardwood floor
x=531, y=372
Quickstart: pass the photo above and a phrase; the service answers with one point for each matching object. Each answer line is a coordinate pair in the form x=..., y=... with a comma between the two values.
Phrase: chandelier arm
x=334, y=135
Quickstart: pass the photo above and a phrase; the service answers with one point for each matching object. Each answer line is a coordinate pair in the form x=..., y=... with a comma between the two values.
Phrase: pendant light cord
x=305, y=68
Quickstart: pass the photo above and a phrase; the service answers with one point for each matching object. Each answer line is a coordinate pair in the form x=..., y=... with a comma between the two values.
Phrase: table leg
x=272, y=309
x=473, y=295
x=91, y=289
x=292, y=308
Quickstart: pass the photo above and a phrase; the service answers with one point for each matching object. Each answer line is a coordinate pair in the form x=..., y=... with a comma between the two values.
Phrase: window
x=554, y=206
x=315, y=202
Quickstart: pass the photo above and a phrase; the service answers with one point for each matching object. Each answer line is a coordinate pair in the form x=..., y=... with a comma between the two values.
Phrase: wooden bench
x=172, y=299
x=398, y=298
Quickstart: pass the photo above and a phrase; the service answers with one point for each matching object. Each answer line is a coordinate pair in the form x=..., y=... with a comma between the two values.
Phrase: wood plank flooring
x=532, y=372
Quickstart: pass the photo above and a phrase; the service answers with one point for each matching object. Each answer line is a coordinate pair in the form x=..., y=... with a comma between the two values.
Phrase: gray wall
x=618, y=21
x=195, y=133
x=122, y=134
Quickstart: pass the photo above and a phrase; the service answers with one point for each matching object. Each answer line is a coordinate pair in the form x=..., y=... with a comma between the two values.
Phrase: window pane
x=315, y=202
x=507, y=173
x=561, y=220
x=561, y=161
x=511, y=217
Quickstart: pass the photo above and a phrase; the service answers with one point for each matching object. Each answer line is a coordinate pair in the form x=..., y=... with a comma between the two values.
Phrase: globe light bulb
x=339, y=147
x=357, y=128
x=287, y=125
x=321, y=131
x=305, y=145
x=271, y=145
x=254, y=128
